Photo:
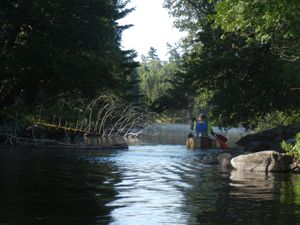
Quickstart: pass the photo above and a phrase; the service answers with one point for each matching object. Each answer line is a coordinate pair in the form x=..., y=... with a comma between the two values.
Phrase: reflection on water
x=168, y=134
x=55, y=187
x=290, y=193
x=176, y=134
x=152, y=179
x=147, y=184
x=248, y=185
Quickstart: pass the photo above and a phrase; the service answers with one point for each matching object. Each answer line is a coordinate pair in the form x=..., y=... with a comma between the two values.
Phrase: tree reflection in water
x=238, y=197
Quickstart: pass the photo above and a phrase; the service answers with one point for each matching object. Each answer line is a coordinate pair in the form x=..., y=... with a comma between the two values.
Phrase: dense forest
x=239, y=62
x=241, y=59
x=56, y=56
x=158, y=83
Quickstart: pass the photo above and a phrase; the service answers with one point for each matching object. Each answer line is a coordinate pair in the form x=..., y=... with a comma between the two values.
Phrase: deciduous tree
x=239, y=81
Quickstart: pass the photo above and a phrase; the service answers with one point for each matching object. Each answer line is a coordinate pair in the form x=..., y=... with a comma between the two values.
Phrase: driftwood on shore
x=65, y=140
x=107, y=116
x=89, y=147
x=53, y=144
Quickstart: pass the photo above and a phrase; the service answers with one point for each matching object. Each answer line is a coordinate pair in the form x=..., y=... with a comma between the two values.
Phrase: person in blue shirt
x=201, y=126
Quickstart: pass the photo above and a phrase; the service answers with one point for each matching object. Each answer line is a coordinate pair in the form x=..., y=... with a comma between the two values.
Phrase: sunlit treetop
x=270, y=21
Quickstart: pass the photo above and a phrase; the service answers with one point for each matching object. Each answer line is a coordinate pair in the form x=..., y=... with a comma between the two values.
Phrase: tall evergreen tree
x=152, y=54
x=54, y=48
x=157, y=81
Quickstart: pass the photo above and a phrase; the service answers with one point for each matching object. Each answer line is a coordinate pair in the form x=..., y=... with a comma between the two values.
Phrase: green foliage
x=292, y=150
x=151, y=83
x=272, y=21
x=277, y=119
x=171, y=116
x=202, y=101
x=57, y=49
x=157, y=81
x=247, y=83
x=237, y=81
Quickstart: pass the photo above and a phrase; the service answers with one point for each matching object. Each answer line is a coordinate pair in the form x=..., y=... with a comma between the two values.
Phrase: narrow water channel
x=148, y=184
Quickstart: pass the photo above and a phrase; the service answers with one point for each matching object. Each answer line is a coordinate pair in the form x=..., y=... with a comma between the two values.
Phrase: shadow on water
x=56, y=187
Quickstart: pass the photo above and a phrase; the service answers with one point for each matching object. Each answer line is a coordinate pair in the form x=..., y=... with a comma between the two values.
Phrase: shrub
x=293, y=150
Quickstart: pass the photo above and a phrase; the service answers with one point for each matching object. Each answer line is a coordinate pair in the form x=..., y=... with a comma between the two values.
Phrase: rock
x=295, y=167
x=291, y=141
x=265, y=161
x=224, y=159
x=268, y=139
x=209, y=159
x=257, y=146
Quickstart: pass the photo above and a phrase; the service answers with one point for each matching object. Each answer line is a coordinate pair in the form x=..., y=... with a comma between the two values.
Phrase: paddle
x=221, y=139
x=219, y=136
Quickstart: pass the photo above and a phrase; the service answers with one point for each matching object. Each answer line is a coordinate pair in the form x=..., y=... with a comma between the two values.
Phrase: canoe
x=201, y=143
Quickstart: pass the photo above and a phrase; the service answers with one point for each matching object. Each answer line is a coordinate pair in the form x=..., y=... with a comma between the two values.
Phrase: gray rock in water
x=265, y=161
x=224, y=159
x=209, y=159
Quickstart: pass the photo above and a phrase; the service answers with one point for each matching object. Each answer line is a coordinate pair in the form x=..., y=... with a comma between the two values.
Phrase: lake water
x=147, y=184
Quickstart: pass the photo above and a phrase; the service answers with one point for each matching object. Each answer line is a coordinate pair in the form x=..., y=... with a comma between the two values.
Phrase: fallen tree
x=106, y=116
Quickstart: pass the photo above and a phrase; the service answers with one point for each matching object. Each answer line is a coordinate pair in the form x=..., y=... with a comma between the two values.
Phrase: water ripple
x=153, y=184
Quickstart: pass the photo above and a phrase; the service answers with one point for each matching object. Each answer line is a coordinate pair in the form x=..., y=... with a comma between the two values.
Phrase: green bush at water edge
x=293, y=150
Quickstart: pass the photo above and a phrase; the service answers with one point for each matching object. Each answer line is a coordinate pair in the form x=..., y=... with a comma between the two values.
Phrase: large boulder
x=265, y=161
x=257, y=146
x=268, y=139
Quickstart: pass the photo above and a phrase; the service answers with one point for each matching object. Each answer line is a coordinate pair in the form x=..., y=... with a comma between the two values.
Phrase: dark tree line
x=54, y=53
x=56, y=56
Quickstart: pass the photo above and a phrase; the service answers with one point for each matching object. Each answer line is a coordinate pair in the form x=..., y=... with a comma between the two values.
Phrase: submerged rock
x=209, y=159
x=265, y=161
x=224, y=159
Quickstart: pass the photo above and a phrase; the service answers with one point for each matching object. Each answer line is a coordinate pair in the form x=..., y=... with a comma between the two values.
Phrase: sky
x=153, y=27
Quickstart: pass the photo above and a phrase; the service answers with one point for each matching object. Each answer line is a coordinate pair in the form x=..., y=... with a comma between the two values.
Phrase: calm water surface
x=147, y=184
